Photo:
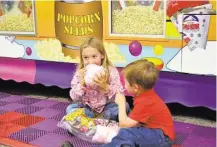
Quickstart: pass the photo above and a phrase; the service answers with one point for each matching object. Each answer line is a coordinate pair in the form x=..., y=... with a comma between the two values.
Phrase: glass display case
x=137, y=18
x=142, y=20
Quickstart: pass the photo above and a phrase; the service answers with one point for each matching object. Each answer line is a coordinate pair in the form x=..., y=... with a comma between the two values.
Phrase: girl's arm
x=77, y=90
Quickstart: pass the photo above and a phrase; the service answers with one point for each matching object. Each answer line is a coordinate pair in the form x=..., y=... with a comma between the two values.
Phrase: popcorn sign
x=190, y=27
x=79, y=25
x=77, y=20
x=191, y=23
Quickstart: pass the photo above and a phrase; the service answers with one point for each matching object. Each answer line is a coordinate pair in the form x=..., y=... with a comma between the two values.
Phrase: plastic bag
x=89, y=129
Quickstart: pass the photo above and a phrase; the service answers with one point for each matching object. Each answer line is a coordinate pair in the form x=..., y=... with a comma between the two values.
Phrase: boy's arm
x=124, y=120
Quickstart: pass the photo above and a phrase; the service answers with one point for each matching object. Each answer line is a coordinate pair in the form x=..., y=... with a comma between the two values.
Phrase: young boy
x=150, y=123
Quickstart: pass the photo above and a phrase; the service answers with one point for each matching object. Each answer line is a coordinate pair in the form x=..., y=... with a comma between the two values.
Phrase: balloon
x=28, y=51
x=135, y=48
x=158, y=50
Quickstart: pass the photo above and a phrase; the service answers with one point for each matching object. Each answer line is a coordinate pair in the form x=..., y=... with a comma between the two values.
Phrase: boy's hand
x=82, y=73
x=120, y=99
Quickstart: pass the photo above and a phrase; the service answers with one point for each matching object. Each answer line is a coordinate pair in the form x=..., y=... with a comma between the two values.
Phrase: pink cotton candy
x=84, y=129
x=91, y=71
x=104, y=134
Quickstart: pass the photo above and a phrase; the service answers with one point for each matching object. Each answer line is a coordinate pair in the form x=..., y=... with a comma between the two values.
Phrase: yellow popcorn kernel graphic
x=138, y=20
x=51, y=50
x=113, y=53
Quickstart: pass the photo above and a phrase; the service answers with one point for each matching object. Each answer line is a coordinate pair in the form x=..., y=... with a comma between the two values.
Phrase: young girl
x=100, y=99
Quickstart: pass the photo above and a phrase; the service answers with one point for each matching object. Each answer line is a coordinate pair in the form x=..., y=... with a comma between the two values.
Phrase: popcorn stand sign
x=75, y=21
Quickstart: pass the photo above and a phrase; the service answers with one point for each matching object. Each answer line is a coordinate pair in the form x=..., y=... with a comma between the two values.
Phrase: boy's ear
x=102, y=57
x=136, y=87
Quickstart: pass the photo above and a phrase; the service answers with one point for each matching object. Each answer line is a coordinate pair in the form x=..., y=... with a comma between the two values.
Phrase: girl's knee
x=72, y=107
x=68, y=109
x=111, y=105
x=89, y=113
x=111, y=113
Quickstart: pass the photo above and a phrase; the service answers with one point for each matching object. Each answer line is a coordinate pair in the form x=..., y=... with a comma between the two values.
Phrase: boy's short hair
x=141, y=72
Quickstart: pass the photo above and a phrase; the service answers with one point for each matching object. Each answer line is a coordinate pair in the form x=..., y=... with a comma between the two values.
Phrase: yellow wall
x=45, y=18
x=46, y=26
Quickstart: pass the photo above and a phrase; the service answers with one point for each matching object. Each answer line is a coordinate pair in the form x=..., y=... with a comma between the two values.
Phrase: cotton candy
x=91, y=71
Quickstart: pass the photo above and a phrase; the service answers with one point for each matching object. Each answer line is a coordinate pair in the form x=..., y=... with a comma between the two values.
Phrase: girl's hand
x=101, y=81
x=82, y=73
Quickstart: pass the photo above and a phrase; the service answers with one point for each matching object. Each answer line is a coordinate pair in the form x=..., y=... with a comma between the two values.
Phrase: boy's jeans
x=140, y=137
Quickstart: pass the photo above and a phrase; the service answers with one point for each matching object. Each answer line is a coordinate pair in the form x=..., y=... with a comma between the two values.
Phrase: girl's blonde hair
x=97, y=44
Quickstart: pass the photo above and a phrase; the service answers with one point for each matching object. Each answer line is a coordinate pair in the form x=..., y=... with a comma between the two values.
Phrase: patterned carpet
x=30, y=122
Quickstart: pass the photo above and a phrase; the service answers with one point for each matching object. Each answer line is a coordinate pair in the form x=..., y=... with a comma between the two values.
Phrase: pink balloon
x=135, y=48
x=28, y=51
